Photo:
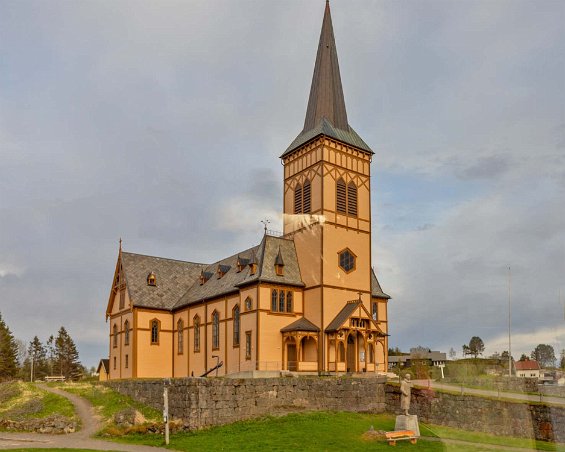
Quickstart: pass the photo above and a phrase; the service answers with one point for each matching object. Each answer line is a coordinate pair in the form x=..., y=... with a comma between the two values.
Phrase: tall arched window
x=196, y=333
x=215, y=330
x=154, y=331
x=352, y=199
x=126, y=332
x=289, y=301
x=307, y=197
x=341, y=196
x=115, y=335
x=281, y=300
x=180, y=339
x=236, y=326
x=274, y=304
x=298, y=199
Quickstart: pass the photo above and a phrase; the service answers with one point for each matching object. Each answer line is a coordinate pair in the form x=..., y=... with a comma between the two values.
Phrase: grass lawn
x=324, y=431
x=108, y=402
x=25, y=401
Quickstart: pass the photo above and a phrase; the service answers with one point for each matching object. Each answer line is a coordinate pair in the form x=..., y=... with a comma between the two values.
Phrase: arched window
x=248, y=304
x=352, y=199
x=341, y=196
x=289, y=301
x=126, y=332
x=196, y=333
x=215, y=330
x=306, y=197
x=155, y=331
x=274, y=304
x=298, y=199
x=115, y=335
x=180, y=332
x=236, y=326
x=281, y=301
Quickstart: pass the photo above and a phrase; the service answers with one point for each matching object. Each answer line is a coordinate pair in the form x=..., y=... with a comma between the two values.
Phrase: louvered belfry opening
x=352, y=199
x=298, y=199
x=307, y=199
x=341, y=196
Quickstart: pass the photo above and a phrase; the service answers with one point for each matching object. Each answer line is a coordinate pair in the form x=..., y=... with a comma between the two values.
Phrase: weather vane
x=265, y=222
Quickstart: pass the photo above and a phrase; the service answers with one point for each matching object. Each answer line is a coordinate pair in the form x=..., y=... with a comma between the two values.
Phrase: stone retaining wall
x=203, y=402
x=54, y=424
x=521, y=419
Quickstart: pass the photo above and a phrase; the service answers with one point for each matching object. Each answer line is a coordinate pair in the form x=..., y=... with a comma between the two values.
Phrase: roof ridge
x=164, y=258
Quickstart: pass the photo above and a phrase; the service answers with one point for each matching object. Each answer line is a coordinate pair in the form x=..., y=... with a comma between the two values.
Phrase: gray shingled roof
x=342, y=316
x=302, y=324
x=376, y=290
x=173, y=278
x=266, y=253
x=325, y=128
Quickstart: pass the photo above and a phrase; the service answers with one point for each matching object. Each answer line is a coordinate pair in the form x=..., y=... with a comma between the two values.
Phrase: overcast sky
x=161, y=122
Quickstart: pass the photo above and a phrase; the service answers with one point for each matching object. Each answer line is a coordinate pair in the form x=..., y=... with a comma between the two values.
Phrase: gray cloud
x=162, y=123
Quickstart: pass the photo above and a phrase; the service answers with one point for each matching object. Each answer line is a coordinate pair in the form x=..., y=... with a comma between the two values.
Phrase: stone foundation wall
x=203, y=402
x=526, y=420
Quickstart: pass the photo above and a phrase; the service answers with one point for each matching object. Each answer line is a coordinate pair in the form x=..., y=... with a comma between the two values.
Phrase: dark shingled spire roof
x=326, y=94
x=326, y=113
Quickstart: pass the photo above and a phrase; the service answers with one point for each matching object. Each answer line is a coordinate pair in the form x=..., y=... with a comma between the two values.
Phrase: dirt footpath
x=81, y=439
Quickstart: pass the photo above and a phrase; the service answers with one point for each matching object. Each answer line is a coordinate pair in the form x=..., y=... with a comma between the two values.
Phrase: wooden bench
x=400, y=435
x=55, y=378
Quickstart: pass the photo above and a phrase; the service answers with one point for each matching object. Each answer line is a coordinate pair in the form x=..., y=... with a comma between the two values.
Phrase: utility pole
x=31, y=376
x=509, y=322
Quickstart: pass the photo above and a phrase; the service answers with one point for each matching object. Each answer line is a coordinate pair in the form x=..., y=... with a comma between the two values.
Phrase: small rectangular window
x=248, y=345
x=127, y=361
x=114, y=363
x=374, y=309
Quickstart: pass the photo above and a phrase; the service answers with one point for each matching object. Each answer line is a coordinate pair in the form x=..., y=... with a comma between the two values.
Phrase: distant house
x=527, y=369
x=422, y=355
x=103, y=370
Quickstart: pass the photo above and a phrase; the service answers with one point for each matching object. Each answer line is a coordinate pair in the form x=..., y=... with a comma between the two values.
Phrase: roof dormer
x=204, y=276
x=222, y=270
x=151, y=279
x=279, y=264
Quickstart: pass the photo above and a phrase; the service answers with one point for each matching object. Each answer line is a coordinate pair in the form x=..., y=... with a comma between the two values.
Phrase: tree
x=452, y=353
x=476, y=346
x=562, y=362
x=8, y=352
x=36, y=358
x=523, y=357
x=466, y=350
x=67, y=359
x=544, y=355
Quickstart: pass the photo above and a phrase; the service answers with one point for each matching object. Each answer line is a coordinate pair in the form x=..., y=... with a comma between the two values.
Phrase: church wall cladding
x=206, y=402
x=473, y=413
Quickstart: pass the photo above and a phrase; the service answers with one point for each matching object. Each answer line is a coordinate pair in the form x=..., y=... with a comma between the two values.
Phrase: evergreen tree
x=67, y=359
x=8, y=352
x=51, y=355
x=36, y=357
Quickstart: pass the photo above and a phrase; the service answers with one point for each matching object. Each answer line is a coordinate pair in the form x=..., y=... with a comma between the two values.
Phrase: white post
x=509, y=321
x=166, y=413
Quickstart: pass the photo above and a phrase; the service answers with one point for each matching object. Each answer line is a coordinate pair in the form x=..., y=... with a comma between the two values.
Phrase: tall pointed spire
x=326, y=114
x=326, y=94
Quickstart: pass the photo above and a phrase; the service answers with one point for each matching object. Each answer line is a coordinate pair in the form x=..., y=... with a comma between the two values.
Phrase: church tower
x=327, y=208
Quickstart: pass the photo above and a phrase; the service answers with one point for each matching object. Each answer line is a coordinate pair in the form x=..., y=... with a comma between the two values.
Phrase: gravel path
x=81, y=439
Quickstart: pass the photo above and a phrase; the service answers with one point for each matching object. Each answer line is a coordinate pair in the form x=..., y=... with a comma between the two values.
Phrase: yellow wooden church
x=306, y=301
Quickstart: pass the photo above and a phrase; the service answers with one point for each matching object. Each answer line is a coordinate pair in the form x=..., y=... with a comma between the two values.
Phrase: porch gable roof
x=302, y=324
